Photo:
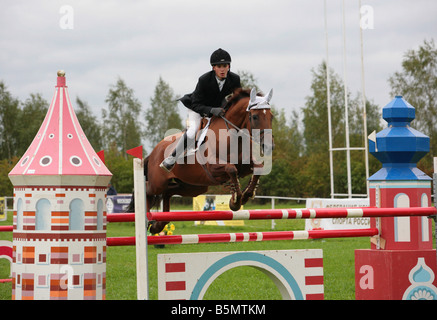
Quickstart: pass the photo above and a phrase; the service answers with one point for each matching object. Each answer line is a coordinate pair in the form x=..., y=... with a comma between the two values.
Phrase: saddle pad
x=200, y=140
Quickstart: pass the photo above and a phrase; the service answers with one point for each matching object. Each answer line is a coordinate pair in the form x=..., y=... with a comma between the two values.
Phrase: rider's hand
x=218, y=111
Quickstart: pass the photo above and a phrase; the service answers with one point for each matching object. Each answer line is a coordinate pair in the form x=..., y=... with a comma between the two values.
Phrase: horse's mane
x=237, y=95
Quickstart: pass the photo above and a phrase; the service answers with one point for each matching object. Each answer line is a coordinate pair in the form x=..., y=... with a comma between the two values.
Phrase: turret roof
x=60, y=147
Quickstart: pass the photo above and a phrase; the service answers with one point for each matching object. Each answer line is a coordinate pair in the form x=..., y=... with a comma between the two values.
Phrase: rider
x=206, y=101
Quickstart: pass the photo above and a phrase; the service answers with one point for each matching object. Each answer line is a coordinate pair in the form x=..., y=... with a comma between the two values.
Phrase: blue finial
x=398, y=112
x=399, y=147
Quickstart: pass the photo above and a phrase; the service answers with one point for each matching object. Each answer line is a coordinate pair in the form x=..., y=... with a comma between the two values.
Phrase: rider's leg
x=193, y=124
x=169, y=162
x=185, y=142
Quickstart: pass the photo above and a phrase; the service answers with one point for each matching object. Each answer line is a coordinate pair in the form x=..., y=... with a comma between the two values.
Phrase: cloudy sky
x=279, y=41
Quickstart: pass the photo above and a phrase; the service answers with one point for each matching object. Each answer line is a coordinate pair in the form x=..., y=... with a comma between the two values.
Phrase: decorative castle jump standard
x=401, y=263
x=59, y=228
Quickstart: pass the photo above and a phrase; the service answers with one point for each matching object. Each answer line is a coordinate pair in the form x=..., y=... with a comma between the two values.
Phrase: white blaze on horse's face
x=257, y=102
x=261, y=150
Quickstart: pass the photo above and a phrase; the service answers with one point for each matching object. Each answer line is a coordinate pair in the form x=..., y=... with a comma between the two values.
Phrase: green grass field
x=241, y=283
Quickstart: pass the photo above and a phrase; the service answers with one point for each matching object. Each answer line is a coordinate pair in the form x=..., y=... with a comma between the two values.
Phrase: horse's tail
x=146, y=167
x=153, y=200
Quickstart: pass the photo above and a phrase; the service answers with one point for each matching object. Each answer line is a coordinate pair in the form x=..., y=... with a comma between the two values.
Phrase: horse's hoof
x=156, y=228
x=234, y=206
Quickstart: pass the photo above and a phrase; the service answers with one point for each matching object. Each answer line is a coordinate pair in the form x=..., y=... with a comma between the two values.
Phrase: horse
x=247, y=118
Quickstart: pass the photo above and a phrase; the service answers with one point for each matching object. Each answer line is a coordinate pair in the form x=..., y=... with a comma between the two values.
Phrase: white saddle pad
x=200, y=140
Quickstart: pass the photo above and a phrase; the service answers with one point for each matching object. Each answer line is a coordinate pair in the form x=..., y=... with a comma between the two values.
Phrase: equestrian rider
x=206, y=101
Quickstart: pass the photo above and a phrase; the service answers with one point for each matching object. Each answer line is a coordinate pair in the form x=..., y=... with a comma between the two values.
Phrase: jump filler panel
x=298, y=274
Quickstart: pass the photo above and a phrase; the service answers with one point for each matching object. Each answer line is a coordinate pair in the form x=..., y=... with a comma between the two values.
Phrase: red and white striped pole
x=6, y=228
x=245, y=237
x=364, y=212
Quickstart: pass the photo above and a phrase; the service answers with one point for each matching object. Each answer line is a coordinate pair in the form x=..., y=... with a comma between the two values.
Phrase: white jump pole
x=140, y=230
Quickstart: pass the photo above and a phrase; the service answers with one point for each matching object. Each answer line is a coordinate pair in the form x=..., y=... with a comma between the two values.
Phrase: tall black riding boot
x=169, y=162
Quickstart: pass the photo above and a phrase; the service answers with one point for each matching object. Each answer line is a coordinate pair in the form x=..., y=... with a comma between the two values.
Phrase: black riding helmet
x=220, y=56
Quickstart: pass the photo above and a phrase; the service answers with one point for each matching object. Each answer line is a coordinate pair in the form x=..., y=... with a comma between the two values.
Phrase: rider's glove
x=217, y=111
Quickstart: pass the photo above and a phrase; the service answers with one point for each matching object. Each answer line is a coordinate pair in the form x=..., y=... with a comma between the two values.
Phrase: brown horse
x=220, y=159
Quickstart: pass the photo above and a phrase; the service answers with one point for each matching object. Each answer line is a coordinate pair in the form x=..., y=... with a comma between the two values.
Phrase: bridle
x=227, y=122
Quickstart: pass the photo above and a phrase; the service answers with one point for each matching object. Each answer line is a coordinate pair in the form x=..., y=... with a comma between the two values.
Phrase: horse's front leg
x=235, y=202
x=249, y=191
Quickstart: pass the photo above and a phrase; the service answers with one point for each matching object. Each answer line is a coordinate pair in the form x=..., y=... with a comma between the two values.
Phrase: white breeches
x=193, y=124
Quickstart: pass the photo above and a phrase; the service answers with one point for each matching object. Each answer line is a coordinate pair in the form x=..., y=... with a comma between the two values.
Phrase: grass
x=242, y=283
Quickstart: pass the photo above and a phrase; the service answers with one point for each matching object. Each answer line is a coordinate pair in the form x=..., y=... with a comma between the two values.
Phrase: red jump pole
x=120, y=217
x=245, y=237
x=6, y=228
x=5, y=280
x=364, y=212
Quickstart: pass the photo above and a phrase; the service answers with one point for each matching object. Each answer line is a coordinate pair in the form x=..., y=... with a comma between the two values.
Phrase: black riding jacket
x=207, y=94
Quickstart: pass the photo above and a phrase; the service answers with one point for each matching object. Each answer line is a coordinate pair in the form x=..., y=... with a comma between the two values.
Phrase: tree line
x=301, y=157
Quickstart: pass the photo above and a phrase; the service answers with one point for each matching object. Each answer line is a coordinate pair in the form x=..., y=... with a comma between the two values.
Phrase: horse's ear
x=252, y=95
x=269, y=95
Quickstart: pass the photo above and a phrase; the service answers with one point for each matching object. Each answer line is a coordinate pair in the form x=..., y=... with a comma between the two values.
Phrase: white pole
x=273, y=207
x=140, y=230
x=363, y=96
x=328, y=100
x=346, y=112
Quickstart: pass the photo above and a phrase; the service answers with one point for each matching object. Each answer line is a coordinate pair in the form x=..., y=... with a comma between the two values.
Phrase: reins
x=227, y=122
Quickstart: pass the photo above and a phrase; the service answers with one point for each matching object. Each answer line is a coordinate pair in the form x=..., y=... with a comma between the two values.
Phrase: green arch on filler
x=246, y=256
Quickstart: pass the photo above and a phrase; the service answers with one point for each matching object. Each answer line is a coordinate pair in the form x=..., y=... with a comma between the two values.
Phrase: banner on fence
x=337, y=223
x=118, y=203
x=214, y=202
x=3, y=214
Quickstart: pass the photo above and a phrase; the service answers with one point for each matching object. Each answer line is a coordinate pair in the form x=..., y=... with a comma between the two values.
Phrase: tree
x=284, y=179
x=315, y=112
x=89, y=123
x=315, y=120
x=121, y=123
x=163, y=113
x=30, y=120
x=6, y=165
x=248, y=80
x=315, y=133
x=121, y=168
x=9, y=116
x=417, y=83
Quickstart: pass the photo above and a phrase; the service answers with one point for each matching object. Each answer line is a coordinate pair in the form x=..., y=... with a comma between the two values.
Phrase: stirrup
x=168, y=164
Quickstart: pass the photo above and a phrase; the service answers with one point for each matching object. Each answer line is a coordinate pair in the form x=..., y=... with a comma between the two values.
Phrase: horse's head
x=260, y=120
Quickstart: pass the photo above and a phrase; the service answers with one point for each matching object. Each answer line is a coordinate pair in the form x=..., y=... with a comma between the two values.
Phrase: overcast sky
x=279, y=41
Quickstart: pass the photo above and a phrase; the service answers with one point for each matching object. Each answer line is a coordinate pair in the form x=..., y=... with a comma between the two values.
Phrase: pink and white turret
x=60, y=149
x=59, y=237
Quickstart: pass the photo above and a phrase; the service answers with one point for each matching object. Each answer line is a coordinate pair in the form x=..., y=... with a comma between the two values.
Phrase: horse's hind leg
x=158, y=226
x=249, y=191
x=235, y=202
